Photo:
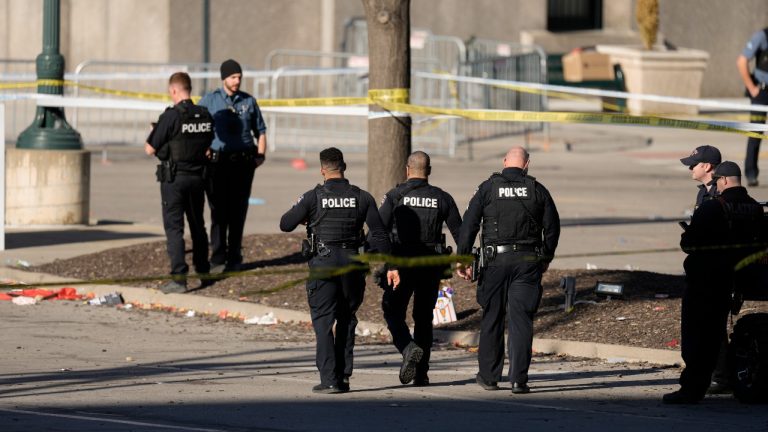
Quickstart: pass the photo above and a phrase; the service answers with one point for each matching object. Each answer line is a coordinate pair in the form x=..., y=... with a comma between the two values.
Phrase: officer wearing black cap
x=722, y=232
x=334, y=213
x=235, y=157
x=180, y=140
x=521, y=229
x=702, y=162
x=414, y=213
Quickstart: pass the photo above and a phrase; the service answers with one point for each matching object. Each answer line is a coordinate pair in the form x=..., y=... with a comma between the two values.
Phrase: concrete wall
x=721, y=28
x=247, y=30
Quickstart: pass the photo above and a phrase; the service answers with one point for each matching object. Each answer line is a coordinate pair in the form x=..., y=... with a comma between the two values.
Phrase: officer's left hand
x=148, y=149
x=393, y=278
x=259, y=160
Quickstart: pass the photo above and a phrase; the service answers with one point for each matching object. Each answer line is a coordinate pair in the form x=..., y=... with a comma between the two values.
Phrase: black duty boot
x=412, y=354
x=486, y=385
x=520, y=388
x=174, y=287
x=327, y=389
x=680, y=397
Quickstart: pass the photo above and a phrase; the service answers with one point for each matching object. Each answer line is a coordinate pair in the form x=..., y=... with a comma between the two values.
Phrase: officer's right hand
x=754, y=91
x=393, y=278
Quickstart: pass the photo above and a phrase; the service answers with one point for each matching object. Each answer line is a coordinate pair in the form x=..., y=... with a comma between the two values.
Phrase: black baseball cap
x=703, y=154
x=726, y=169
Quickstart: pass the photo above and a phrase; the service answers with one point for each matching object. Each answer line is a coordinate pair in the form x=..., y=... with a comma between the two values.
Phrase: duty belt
x=238, y=156
x=500, y=249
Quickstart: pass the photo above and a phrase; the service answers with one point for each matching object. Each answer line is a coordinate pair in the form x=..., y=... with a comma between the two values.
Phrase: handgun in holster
x=478, y=263
x=309, y=246
x=166, y=172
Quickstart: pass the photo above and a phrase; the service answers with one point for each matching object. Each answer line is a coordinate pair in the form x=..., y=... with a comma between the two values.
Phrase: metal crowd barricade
x=309, y=132
x=345, y=128
x=143, y=80
x=18, y=112
x=502, y=61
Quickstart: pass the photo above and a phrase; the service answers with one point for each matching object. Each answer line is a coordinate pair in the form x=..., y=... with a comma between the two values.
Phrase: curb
x=611, y=353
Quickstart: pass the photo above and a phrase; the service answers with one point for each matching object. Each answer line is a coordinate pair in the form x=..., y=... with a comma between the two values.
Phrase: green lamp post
x=50, y=130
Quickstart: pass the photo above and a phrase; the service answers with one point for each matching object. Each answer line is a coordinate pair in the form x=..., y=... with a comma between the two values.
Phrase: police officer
x=414, y=213
x=521, y=229
x=755, y=82
x=334, y=213
x=180, y=140
x=702, y=162
x=235, y=157
x=721, y=233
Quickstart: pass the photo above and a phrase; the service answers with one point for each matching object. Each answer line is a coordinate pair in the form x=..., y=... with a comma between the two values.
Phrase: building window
x=569, y=15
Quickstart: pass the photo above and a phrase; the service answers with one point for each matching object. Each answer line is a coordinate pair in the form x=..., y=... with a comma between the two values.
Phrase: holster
x=166, y=172
x=479, y=263
x=309, y=247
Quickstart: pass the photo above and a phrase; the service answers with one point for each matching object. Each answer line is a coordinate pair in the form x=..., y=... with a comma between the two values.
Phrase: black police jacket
x=704, y=194
x=183, y=134
x=414, y=212
x=309, y=209
x=513, y=208
x=723, y=231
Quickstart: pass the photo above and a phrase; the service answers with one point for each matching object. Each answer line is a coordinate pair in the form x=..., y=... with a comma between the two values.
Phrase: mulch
x=647, y=316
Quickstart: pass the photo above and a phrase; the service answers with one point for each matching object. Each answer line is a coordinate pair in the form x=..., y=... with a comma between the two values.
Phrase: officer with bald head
x=520, y=232
x=414, y=213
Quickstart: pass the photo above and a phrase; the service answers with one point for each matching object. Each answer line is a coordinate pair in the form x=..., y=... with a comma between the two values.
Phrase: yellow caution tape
x=565, y=117
x=397, y=100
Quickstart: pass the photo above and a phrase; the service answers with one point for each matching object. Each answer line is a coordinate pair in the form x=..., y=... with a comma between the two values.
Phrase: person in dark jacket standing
x=521, y=229
x=721, y=233
x=234, y=159
x=414, y=213
x=335, y=213
x=180, y=141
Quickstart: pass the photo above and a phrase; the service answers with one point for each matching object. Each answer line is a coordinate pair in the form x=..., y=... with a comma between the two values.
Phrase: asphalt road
x=71, y=367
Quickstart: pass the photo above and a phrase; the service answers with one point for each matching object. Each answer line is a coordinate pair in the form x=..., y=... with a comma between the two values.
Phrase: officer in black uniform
x=180, y=140
x=702, y=162
x=414, y=213
x=721, y=233
x=521, y=229
x=334, y=213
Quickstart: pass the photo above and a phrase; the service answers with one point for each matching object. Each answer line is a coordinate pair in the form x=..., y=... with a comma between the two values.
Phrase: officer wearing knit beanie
x=236, y=152
x=229, y=68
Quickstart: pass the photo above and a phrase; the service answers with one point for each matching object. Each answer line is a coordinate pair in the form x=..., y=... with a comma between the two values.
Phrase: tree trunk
x=389, y=135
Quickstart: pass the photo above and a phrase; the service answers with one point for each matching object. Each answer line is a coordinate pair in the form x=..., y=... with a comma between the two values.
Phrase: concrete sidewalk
x=71, y=367
x=613, y=353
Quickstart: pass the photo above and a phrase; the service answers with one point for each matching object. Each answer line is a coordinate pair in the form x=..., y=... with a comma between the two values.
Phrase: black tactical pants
x=334, y=300
x=751, y=169
x=423, y=284
x=510, y=285
x=185, y=196
x=229, y=189
x=703, y=323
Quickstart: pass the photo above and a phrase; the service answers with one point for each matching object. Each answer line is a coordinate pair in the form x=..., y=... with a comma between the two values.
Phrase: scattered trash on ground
x=591, y=266
x=36, y=295
x=267, y=319
x=111, y=299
